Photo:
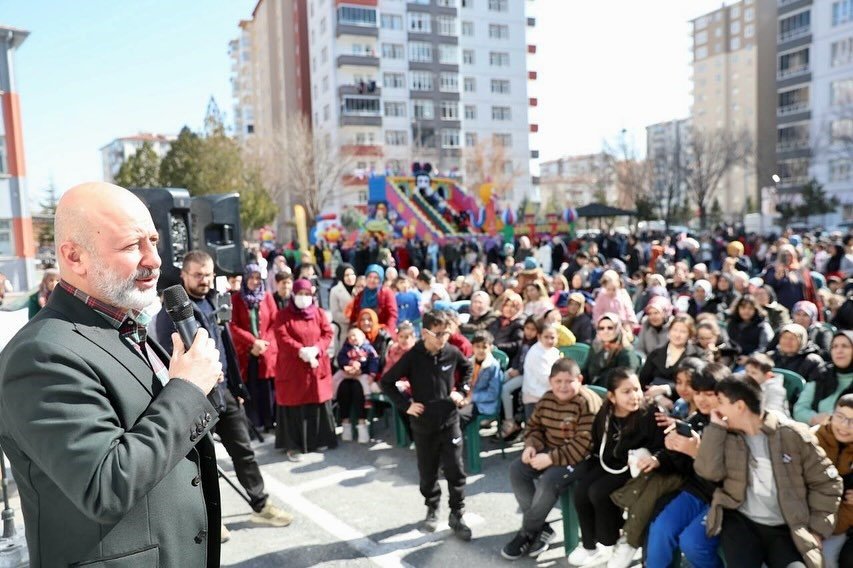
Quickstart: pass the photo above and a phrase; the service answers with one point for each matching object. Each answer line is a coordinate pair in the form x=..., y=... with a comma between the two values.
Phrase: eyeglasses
x=606, y=328
x=842, y=420
x=438, y=335
x=199, y=276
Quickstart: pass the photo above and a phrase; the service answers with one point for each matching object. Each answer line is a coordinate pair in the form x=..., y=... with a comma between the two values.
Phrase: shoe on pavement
x=430, y=523
x=518, y=546
x=363, y=434
x=623, y=555
x=580, y=555
x=458, y=526
x=346, y=433
x=540, y=543
x=602, y=555
x=509, y=427
x=224, y=533
x=294, y=455
x=272, y=515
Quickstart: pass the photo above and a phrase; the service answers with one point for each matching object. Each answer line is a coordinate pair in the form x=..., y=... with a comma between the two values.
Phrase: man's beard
x=123, y=293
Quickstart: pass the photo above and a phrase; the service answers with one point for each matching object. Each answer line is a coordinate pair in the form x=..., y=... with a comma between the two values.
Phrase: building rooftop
x=17, y=35
x=144, y=137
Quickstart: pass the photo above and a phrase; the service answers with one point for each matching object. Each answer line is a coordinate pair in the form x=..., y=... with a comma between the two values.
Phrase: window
x=468, y=29
x=423, y=109
x=446, y=25
x=701, y=37
x=324, y=54
x=326, y=113
x=499, y=59
x=470, y=112
x=793, y=100
x=467, y=3
x=842, y=12
x=446, y=3
x=356, y=16
x=498, y=5
x=749, y=14
x=795, y=26
x=420, y=81
x=449, y=138
x=794, y=62
x=839, y=170
x=748, y=30
x=842, y=52
x=365, y=138
x=701, y=52
x=420, y=23
x=325, y=83
x=323, y=25
x=501, y=31
x=395, y=108
x=448, y=82
x=361, y=106
x=734, y=44
x=394, y=80
x=420, y=52
x=3, y=165
x=501, y=113
x=448, y=54
x=470, y=139
x=504, y=140
x=6, y=248
x=392, y=21
x=500, y=86
x=701, y=23
x=392, y=51
x=734, y=11
x=396, y=137
x=449, y=110
x=468, y=56
x=841, y=92
x=470, y=85
x=735, y=27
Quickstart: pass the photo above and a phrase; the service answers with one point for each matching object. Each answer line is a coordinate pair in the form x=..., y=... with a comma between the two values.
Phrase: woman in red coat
x=303, y=380
x=252, y=327
x=378, y=298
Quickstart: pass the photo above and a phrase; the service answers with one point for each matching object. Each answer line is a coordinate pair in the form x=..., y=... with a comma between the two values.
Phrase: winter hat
x=531, y=263
x=300, y=285
x=807, y=308
x=705, y=285
x=734, y=248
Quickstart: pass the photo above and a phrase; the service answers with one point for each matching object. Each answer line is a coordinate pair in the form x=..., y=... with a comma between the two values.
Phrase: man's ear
x=72, y=257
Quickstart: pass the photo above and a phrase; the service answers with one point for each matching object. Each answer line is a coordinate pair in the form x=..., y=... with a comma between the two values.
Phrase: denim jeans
x=681, y=526
x=538, y=491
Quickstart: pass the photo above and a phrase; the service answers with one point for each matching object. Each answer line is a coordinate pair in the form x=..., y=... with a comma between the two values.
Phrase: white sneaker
x=363, y=434
x=346, y=433
x=623, y=555
x=580, y=555
x=602, y=556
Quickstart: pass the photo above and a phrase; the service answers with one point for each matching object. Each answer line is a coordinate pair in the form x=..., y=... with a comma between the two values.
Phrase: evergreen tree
x=716, y=212
x=815, y=201
x=48, y=209
x=179, y=167
x=140, y=170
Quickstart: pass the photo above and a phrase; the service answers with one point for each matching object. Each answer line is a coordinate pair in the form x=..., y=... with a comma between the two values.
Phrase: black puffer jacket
x=807, y=361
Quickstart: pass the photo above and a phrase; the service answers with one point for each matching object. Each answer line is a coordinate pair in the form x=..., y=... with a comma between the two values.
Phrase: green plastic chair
x=830, y=327
x=401, y=437
x=602, y=392
x=472, y=442
x=794, y=384
x=502, y=358
x=579, y=352
x=571, y=526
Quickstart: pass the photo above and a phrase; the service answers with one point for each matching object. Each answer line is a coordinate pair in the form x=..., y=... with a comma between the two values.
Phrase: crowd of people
x=712, y=416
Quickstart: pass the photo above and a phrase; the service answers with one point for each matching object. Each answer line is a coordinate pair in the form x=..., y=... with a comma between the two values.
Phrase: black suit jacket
x=114, y=469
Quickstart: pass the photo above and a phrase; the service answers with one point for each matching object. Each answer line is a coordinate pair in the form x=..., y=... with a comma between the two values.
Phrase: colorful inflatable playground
x=433, y=208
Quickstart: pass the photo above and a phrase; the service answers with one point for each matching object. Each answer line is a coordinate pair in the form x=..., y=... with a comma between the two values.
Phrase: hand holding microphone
x=194, y=355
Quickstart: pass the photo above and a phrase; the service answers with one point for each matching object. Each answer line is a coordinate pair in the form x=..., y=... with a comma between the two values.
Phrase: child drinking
x=358, y=363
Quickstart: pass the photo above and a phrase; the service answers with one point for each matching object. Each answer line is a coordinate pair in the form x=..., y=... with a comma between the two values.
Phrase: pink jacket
x=621, y=305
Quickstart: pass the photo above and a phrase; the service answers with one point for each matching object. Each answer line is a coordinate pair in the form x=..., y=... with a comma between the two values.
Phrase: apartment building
x=242, y=81
x=734, y=89
x=668, y=153
x=396, y=81
x=114, y=154
x=575, y=181
x=814, y=108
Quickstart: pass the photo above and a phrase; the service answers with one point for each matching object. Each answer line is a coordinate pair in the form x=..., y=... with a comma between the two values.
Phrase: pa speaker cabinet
x=170, y=210
x=216, y=230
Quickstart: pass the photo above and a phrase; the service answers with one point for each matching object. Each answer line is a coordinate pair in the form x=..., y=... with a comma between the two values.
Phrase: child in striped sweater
x=558, y=437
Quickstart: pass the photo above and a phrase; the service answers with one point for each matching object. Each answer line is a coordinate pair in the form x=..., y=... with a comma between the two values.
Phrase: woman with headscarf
x=748, y=328
x=376, y=297
x=481, y=314
x=610, y=350
x=654, y=332
x=508, y=327
x=38, y=300
x=790, y=280
x=702, y=301
x=379, y=338
x=278, y=264
x=577, y=320
x=796, y=353
x=817, y=400
x=657, y=376
x=725, y=291
x=303, y=379
x=805, y=314
x=340, y=297
x=613, y=298
x=252, y=327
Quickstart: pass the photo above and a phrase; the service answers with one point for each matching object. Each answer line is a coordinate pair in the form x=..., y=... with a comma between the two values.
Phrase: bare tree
x=634, y=179
x=712, y=155
x=489, y=161
x=298, y=166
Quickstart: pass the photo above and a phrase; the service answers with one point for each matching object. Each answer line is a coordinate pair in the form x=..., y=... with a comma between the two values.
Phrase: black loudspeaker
x=216, y=230
x=170, y=210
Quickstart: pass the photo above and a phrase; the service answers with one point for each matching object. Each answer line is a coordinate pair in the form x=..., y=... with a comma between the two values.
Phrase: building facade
x=114, y=154
x=17, y=247
x=242, y=81
x=575, y=181
x=734, y=89
x=668, y=154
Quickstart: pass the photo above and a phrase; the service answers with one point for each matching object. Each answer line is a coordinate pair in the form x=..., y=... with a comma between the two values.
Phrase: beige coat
x=808, y=485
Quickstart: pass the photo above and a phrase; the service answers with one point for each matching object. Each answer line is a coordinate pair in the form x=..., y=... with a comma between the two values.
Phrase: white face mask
x=302, y=302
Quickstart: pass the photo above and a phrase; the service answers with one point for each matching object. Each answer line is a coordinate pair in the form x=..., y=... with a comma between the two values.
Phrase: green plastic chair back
x=502, y=358
x=579, y=352
x=832, y=329
x=602, y=392
x=794, y=384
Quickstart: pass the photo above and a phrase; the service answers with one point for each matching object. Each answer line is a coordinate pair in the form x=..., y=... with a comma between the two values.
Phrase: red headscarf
x=374, y=318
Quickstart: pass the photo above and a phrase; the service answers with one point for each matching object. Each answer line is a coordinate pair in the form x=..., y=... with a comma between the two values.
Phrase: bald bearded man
x=109, y=447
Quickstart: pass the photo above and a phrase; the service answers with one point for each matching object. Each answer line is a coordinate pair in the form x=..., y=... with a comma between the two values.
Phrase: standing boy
x=558, y=437
x=777, y=492
x=759, y=367
x=429, y=367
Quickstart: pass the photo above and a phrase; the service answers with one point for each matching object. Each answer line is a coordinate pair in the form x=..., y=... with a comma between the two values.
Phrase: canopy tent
x=596, y=210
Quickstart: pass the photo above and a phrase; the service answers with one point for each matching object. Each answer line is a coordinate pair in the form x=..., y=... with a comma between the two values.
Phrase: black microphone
x=179, y=307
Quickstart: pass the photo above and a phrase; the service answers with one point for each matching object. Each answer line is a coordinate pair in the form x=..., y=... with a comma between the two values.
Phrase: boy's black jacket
x=431, y=377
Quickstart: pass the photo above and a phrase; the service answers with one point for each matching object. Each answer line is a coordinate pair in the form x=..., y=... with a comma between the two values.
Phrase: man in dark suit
x=110, y=448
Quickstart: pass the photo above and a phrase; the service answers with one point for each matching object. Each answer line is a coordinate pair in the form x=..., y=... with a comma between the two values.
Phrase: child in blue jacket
x=484, y=389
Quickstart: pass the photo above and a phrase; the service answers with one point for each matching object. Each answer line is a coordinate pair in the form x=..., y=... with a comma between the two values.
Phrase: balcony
x=792, y=109
x=366, y=89
x=792, y=72
x=359, y=150
x=358, y=60
x=344, y=28
x=789, y=182
x=794, y=34
x=791, y=145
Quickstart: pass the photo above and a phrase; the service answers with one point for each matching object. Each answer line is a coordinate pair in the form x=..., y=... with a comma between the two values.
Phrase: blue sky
x=94, y=70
